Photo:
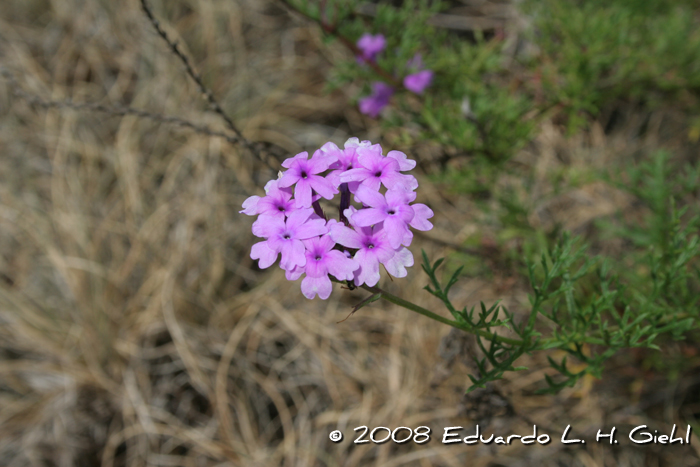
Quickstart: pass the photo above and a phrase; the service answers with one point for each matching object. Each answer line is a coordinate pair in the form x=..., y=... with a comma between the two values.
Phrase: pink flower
x=372, y=248
x=294, y=227
x=304, y=173
x=376, y=170
x=345, y=159
x=321, y=260
x=285, y=237
x=277, y=203
x=392, y=209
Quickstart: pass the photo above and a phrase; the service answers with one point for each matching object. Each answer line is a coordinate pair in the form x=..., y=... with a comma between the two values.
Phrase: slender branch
x=196, y=77
x=118, y=111
x=418, y=309
x=254, y=148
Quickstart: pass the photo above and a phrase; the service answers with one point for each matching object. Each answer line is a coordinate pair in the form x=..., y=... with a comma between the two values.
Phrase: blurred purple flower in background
x=417, y=82
x=418, y=79
x=373, y=104
x=370, y=46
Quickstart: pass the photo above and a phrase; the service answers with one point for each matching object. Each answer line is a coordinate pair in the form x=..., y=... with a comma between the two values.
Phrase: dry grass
x=134, y=329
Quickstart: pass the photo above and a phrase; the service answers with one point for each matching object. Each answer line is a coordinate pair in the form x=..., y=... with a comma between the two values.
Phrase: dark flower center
x=391, y=212
x=378, y=173
x=370, y=246
x=286, y=237
x=349, y=166
x=280, y=208
x=304, y=175
x=318, y=258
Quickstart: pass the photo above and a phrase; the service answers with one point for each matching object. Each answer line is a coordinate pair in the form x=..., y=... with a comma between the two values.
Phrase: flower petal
x=267, y=226
x=298, y=218
x=264, y=254
x=421, y=215
x=326, y=242
x=369, y=197
x=404, y=162
x=345, y=236
x=292, y=254
x=302, y=193
x=397, y=265
x=312, y=228
x=399, y=181
x=368, y=273
x=301, y=156
x=398, y=197
x=311, y=286
x=352, y=142
x=367, y=217
x=294, y=274
x=340, y=266
x=250, y=206
x=322, y=186
x=354, y=175
x=396, y=230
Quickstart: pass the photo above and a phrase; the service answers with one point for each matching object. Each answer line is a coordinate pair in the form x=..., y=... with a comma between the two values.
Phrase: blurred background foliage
x=576, y=64
x=135, y=330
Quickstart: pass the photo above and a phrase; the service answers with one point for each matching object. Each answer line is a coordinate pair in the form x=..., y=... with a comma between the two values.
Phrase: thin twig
x=117, y=111
x=175, y=48
x=254, y=147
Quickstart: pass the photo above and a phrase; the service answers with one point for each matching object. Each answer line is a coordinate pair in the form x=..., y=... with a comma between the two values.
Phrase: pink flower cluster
x=294, y=226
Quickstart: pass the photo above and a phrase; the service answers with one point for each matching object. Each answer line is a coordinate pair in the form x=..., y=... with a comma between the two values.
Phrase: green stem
x=420, y=310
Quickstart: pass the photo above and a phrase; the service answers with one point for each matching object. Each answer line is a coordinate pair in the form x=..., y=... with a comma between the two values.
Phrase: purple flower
x=372, y=248
x=277, y=203
x=417, y=82
x=370, y=46
x=345, y=159
x=285, y=237
x=373, y=104
x=304, y=173
x=392, y=209
x=321, y=260
x=376, y=169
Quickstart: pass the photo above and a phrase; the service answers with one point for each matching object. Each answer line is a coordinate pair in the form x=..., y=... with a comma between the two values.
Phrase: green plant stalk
x=543, y=344
x=420, y=310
